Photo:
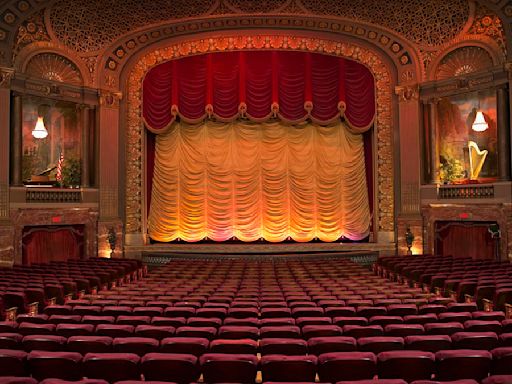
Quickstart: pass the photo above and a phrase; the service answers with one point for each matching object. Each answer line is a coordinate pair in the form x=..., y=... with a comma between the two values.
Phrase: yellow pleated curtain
x=252, y=181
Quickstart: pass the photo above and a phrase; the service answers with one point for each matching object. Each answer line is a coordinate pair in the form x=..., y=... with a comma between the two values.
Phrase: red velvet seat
x=114, y=330
x=320, y=345
x=277, y=321
x=13, y=363
x=204, y=322
x=315, y=320
x=498, y=379
x=8, y=326
x=169, y=321
x=60, y=365
x=420, y=319
x=266, y=313
x=339, y=366
x=309, y=331
x=443, y=328
x=36, y=329
x=188, y=345
x=238, y=332
x=185, y=312
x=355, y=320
x=44, y=343
x=459, y=317
x=462, y=364
x=245, y=322
x=211, y=312
x=483, y=326
x=377, y=344
x=94, y=319
x=64, y=319
x=474, y=340
x=58, y=310
x=489, y=316
x=406, y=365
x=17, y=380
x=237, y=346
x=206, y=332
x=462, y=307
x=111, y=366
x=340, y=311
x=403, y=330
x=429, y=343
x=242, y=312
x=133, y=320
x=222, y=368
x=68, y=330
x=158, y=332
x=10, y=340
x=148, y=311
x=371, y=311
x=90, y=344
x=283, y=368
x=402, y=309
x=283, y=346
x=83, y=310
x=34, y=319
x=170, y=367
x=116, y=310
x=501, y=361
x=284, y=331
x=431, y=308
x=138, y=345
x=358, y=331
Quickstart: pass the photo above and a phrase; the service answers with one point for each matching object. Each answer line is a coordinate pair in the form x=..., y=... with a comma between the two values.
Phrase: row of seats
x=242, y=368
x=142, y=342
x=22, y=286
x=484, y=281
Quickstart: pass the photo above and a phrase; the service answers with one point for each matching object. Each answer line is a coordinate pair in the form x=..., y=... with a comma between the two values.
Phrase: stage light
x=40, y=131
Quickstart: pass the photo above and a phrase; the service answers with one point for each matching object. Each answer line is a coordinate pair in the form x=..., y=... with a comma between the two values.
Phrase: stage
x=158, y=254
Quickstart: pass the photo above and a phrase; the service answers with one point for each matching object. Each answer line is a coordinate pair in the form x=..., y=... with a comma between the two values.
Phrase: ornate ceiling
x=90, y=30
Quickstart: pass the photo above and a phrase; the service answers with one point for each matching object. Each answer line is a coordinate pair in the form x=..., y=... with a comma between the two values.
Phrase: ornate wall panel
x=383, y=125
x=53, y=67
x=463, y=61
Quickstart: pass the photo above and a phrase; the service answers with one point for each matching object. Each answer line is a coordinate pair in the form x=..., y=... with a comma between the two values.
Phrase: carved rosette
x=383, y=122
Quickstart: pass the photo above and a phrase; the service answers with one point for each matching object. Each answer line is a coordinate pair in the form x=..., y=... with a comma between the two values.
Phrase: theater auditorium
x=273, y=191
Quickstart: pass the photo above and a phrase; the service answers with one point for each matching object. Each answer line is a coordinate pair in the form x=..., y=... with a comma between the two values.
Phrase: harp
x=476, y=159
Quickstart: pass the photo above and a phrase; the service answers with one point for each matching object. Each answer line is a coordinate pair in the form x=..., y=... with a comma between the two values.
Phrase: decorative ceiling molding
x=120, y=53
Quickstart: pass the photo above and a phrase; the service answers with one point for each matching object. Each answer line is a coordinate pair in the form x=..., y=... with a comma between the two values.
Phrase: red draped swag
x=257, y=87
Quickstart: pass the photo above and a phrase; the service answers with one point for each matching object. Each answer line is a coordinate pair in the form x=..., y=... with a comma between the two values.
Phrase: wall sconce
x=40, y=131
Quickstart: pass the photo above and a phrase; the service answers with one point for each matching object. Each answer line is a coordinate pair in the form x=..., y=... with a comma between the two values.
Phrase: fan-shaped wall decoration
x=54, y=67
x=463, y=61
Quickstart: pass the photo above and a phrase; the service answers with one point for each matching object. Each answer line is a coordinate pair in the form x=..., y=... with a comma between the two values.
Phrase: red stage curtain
x=293, y=86
x=469, y=239
x=44, y=244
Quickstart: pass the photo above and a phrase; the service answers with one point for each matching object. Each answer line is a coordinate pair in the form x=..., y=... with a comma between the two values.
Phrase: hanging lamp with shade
x=39, y=131
x=479, y=125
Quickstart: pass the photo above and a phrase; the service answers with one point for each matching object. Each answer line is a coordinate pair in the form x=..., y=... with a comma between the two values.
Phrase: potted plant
x=72, y=173
x=451, y=170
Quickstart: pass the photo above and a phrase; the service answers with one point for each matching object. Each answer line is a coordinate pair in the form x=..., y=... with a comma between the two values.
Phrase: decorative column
x=409, y=221
x=109, y=151
x=85, y=117
x=434, y=147
x=6, y=227
x=503, y=111
x=16, y=142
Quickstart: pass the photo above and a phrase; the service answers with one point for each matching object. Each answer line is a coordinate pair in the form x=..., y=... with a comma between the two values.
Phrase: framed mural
x=468, y=138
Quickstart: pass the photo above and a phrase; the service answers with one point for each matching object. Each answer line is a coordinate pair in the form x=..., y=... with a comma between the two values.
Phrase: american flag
x=58, y=176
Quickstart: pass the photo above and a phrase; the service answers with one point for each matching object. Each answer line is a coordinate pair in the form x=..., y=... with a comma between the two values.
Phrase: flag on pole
x=58, y=176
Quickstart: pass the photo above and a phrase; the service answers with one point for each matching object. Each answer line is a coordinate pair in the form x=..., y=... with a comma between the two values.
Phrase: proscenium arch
x=131, y=113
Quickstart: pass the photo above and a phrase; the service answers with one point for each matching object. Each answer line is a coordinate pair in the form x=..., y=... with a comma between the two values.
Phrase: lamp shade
x=39, y=131
x=479, y=125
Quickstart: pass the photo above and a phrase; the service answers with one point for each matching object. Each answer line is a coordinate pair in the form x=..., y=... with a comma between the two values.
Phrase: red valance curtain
x=259, y=85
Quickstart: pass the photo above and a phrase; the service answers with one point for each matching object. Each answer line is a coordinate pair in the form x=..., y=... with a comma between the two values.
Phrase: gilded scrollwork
x=383, y=124
x=6, y=75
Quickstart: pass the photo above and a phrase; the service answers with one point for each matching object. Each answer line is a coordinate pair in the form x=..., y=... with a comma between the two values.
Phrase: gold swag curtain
x=250, y=181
